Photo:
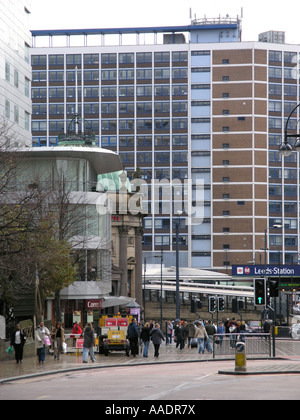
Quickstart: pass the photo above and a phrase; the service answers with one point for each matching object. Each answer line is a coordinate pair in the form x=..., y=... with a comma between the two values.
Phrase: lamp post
x=179, y=213
x=285, y=148
x=161, y=289
x=144, y=299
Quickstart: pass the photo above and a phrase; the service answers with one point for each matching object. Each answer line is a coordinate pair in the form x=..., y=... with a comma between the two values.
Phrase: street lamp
x=161, y=289
x=270, y=227
x=144, y=297
x=179, y=213
x=285, y=148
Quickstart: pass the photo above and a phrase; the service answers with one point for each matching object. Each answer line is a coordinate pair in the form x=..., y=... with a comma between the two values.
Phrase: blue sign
x=268, y=270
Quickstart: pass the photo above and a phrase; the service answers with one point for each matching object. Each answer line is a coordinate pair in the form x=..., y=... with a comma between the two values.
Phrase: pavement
x=286, y=362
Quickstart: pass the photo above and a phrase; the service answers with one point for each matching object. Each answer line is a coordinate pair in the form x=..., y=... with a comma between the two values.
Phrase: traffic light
x=211, y=304
x=221, y=304
x=259, y=292
x=273, y=285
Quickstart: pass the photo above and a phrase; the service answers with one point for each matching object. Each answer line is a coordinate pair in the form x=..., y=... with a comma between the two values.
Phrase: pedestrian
x=58, y=337
x=17, y=341
x=226, y=326
x=179, y=336
x=169, y=332
x=220, y=333
x=157, y=338
x=200, y=334
x=88, y=343
x=191, y=329
x=76, y=328
x=145, y=336
x=42, y=340
x=133, y=336
x=242, y=328
x=211, y=331
x=233, y=328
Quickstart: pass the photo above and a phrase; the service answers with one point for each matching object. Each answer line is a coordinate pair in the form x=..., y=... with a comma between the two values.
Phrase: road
x=165, y=382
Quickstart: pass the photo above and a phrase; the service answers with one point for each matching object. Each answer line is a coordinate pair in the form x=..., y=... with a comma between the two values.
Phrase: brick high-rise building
x=188, y=102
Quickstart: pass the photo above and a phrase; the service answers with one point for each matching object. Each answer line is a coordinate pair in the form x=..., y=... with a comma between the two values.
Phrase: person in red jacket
x=76, y=330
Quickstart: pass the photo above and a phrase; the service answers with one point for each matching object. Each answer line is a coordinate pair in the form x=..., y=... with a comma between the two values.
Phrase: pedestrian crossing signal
x=259, y=292
x=211, y=304
x=221, y=304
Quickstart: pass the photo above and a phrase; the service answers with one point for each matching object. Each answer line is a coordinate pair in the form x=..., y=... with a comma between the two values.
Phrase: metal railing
x=256, y=344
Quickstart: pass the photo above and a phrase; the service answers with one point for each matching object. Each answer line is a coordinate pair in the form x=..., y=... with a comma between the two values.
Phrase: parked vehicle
x=254, y=327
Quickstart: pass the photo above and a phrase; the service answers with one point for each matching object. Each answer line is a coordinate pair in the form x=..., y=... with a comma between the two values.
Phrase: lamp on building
x=285, y=148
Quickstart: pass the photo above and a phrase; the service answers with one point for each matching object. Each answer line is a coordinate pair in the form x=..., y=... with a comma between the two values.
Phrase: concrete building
x=185, y=103
x=78, y=167
x=15, y=72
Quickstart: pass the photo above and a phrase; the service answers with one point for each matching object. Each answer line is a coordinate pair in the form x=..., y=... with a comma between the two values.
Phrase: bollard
x=240, y=357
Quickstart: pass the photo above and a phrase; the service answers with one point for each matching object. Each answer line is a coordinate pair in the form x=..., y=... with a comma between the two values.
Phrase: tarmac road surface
x=159, y=382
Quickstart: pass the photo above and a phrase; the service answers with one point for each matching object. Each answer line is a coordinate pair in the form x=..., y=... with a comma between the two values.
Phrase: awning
x=109, y=301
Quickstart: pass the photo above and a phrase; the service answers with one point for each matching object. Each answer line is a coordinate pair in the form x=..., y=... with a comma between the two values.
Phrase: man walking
x=133, y=336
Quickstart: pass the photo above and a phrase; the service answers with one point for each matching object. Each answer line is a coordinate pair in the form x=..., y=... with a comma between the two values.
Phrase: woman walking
x=157, y=338
x=200, y=334
x=17, y=341
x=42, y=340
x=88, y=343
x=145, y=337
x=58, y=337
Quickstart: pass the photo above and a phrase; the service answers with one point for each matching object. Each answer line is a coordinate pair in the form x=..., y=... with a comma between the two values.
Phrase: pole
x=177, y=272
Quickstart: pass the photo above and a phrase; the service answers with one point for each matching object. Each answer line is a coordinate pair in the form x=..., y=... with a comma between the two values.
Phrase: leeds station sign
x=268, y=270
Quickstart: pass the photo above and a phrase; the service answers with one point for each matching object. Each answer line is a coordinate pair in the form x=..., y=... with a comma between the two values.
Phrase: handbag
x=64, y=347
x=47, y=341
x=10, y=350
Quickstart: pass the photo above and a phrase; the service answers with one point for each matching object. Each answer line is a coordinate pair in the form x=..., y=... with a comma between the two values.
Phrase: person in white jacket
x=41, y=337
x=200, y=334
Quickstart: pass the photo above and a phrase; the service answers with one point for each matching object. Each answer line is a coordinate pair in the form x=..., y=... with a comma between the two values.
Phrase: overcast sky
x=258, y=15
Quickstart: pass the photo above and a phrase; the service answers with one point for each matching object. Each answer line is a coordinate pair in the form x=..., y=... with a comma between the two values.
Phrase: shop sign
x=92, y=304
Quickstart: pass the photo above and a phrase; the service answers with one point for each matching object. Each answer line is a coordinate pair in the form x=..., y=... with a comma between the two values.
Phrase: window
x=144, y=57
x=179, y=56
x=16, y=78
x=109, y=58
x=16, y=114
x=162, y=74
x=7, y=108
x=27, y=87
x=56, y=60
x=126, y=58
x=73, y=59
x=7, y=71
x=91, y=59
x=144, y=74
x=38, y=60
x=108, y=75
x=161, y=57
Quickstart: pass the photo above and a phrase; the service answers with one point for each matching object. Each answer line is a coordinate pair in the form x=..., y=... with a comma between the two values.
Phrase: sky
x=257, y=15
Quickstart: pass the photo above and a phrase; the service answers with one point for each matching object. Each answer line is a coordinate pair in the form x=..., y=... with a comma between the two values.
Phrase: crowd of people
x=182, y=333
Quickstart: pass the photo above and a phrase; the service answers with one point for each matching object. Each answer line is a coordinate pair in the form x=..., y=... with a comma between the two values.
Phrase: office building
x=15, y=71
x=185, y=103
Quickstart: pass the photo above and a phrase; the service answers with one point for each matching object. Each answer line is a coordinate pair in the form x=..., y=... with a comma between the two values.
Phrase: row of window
x=13, y=113
x=13, y=75
x=111, y=108
x=288, y=173
x=123, y=124
x=275, y=89
x=110, y=91
x=111, y=75
x=109, y=58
